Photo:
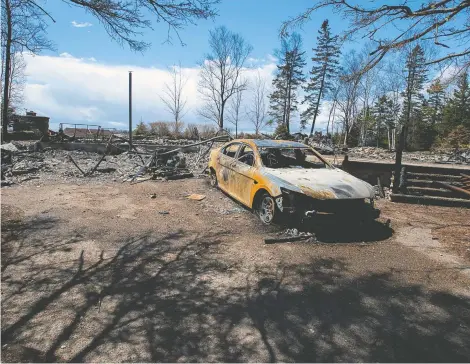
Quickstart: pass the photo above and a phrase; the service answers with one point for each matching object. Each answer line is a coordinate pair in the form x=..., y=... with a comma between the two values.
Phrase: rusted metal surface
x=328, y=183
x=293, y=189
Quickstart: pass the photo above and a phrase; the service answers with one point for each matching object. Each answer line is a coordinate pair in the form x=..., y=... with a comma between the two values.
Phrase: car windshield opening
x=291, y=158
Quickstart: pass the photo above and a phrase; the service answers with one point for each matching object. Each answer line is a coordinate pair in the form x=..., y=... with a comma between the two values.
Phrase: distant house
x=30, y=122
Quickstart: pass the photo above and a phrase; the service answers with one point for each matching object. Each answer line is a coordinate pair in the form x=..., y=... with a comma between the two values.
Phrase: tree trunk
x=221, y=116
x=378, y=132
x=398, y=157
x=6, y=85
x=346, y=134
x=388, y=139
x=318, y=101
x=289, y=90
x=333, y=108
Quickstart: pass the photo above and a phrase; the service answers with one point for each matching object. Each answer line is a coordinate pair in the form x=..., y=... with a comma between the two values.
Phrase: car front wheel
x=213, y=178
x=266, y=209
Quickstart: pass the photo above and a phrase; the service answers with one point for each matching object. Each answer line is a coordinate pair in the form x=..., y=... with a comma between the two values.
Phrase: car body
x=288, y=177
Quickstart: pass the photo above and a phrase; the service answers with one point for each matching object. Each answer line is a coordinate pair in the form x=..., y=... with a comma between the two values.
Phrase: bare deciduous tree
x=23, y=29
x=17, y=79
x=235, y=104
x=24, y=25
x=221, y=71
x=368, y=90
x=442, y=23
x=348, y=92
x=124, y=21
x=173, y=98
x=257, y=112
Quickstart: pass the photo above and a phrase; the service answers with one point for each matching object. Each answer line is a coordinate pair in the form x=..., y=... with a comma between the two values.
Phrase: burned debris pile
x=442, y=156
x=65, y=161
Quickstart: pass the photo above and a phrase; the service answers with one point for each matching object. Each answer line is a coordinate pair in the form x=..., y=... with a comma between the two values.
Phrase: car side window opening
x=246, y=155
x=291, y=158
x=231, y=150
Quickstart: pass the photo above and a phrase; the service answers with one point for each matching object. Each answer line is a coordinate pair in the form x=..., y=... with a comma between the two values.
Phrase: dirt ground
x=105, y=273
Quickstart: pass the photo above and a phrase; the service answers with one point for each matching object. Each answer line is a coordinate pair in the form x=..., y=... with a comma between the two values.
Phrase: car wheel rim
x=267, y=209
x=213, y=180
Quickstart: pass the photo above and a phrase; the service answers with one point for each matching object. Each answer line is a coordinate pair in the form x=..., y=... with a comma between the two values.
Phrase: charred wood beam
x=288, y=239
x=76, y=165
x=453, y=188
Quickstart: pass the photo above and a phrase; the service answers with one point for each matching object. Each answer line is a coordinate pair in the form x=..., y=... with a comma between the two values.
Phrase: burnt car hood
x=328, y=183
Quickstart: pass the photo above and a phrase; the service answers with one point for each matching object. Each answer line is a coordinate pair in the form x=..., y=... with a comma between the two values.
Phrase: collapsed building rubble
x=442, y=156
x=28, y=160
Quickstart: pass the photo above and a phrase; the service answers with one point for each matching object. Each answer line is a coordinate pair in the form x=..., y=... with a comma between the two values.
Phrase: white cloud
x=81, y=25
x=83, y=90
x=117, y=124
x=271, y=58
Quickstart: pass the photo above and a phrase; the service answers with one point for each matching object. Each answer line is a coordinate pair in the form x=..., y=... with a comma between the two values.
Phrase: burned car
x=276, y=177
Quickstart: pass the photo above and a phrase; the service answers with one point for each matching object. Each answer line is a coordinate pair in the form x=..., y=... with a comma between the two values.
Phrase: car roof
x=272, y=143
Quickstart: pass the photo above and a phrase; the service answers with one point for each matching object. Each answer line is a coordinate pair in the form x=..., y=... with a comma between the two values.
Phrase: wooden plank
x=430, y=200
x=453, y=188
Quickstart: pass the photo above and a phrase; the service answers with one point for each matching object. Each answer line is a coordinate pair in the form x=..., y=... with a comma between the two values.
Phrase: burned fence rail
x=434, y=186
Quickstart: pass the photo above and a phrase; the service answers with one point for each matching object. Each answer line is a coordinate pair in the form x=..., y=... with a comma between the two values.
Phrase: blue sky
x=258, y=21
x=74, y=82
x=84, y=80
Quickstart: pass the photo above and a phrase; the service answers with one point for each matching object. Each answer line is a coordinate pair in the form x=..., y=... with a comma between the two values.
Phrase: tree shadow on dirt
x=176, y=297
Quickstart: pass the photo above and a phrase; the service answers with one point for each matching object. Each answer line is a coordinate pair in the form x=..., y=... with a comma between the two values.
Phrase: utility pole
x=130, y=111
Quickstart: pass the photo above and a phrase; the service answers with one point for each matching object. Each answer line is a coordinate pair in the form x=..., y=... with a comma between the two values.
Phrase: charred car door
x=225, y=172
x=243, y=174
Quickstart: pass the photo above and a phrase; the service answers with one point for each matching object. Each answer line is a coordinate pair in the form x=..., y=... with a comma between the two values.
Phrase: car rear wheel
x=213, y=178
x=266, y=209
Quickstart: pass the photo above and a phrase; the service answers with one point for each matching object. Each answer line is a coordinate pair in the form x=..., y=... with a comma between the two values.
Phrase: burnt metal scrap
x=172, y=164
x=61, y=159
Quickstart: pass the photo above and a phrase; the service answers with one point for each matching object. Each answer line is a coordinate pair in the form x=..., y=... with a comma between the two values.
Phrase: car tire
x=266, y=209
x=213, y=178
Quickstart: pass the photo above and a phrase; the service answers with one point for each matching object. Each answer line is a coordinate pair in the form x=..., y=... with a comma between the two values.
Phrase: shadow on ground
x=177, y=298
x=327, y=229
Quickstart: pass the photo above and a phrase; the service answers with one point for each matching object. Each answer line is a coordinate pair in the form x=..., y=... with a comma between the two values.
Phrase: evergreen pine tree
x=383, y=112
x=325, y=67
x=432, y=113
x=457, y=110
x=289, y=75
x=416, y=76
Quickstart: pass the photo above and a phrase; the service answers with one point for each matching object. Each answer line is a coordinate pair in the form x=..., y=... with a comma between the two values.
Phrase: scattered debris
x=21, y=159
x=442, y=156
x=196, y=197
x=285, y=239
x=153, y=195
x=9, y=147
